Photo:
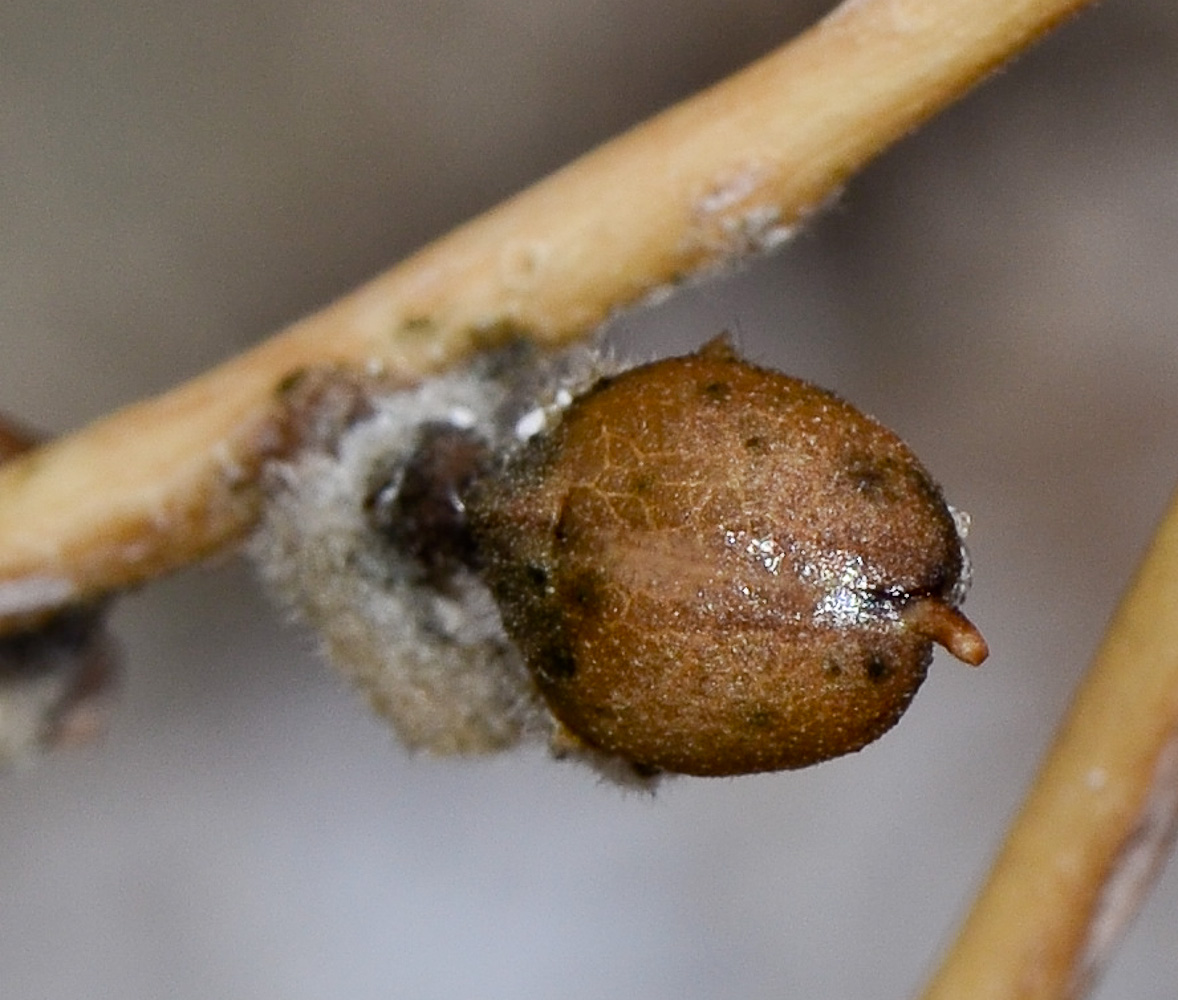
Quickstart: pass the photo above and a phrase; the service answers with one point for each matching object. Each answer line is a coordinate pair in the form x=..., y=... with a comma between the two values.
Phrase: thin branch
x=721, y=176
x=1099, y=820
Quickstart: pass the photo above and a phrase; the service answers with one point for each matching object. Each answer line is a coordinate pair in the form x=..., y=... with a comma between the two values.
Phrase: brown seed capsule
x=716, y=569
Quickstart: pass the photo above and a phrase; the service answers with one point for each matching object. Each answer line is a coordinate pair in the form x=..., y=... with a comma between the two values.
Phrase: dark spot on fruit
x=756, y=444
x=560, y=531
x=877, y=668
x=717, y=392
x=642, y=483
x=584, y=592
x=762, y=718
x=557, y=661
x=537, y=576
x=872, y=477
x=603, y=713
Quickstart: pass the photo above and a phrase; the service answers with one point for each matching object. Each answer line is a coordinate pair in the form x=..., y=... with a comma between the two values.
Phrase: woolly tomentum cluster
x=695, y=565
x=384, y=578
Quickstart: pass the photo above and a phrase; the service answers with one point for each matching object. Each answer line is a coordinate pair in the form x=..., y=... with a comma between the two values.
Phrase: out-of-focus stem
x=1099, y=819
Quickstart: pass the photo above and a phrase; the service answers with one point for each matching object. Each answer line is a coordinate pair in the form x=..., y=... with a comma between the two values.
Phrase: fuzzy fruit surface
x=709, y=567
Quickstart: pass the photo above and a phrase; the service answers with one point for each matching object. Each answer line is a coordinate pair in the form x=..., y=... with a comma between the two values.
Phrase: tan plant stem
x=1099, y=820
x=719, y=177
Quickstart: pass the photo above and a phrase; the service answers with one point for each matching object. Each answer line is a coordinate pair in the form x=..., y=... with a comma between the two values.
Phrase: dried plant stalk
x=1099, y=821
x=714, y=179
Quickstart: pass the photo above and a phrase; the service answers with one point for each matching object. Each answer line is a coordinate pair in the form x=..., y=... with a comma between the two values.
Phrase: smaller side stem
x=1099, y=820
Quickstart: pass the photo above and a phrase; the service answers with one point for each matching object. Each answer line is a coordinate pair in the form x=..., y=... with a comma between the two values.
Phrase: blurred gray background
x=178, y=180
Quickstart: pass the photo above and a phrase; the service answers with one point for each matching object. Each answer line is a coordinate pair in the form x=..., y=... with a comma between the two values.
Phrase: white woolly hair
x=435, y=661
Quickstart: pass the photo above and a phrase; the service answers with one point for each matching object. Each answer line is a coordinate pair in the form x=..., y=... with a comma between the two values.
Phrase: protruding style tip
x=948, y=627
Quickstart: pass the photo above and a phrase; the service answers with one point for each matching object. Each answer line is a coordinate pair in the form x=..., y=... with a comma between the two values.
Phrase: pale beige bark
x=714, y=179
